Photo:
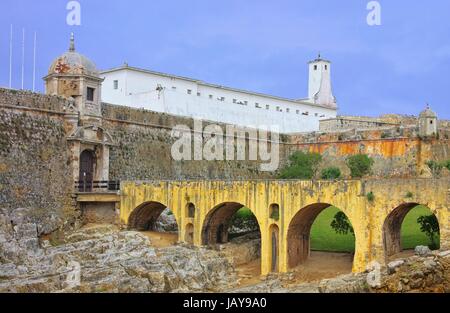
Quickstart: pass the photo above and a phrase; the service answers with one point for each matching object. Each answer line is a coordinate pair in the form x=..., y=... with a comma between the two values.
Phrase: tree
x=430, y=226
x=301, y=166
x=331, y=173
x=360, y=165
x=341, y=224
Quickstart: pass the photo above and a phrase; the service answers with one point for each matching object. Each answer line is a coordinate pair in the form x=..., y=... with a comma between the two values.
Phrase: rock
x=8, y=271
x=422, y=251
x=444, y=254
x=392, y=266
x=166, y=222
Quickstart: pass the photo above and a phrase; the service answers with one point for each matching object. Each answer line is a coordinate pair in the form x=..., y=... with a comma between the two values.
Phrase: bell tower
x=319, y=87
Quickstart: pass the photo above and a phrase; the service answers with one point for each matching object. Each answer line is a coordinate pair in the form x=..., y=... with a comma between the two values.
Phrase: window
x=288, y=110
x=257, y=105
x=431, y=122
x=315, y=67
x=298, y=111
x=267, y=107
x=210, y=96
x=316, y=114
x=326, y=67
x=116, y=84
x=278, y=109
x=189, y=92
x=174, y=88
x=90, y=94
x=245, y=102
x=198, y=94
x=222, y=98
x=234, y=100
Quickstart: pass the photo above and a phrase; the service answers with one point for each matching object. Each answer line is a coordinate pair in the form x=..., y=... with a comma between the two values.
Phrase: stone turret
x=428, y=123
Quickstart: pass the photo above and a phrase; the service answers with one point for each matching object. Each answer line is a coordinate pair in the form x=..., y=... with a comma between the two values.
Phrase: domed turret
x=75, y=77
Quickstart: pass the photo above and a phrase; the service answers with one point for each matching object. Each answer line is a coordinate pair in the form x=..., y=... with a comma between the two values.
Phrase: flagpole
x=23, y=56
x=10, y=56
x=34, y=61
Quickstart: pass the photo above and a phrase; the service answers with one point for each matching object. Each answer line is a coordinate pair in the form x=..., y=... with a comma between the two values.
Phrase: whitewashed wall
x=138, y=89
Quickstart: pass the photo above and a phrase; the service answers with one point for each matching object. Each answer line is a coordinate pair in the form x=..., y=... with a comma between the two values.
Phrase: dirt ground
x=320, y=265
x=161, y=240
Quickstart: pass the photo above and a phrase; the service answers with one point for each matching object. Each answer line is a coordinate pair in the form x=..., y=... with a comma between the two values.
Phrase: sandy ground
x=161, y=240
x=321, y=265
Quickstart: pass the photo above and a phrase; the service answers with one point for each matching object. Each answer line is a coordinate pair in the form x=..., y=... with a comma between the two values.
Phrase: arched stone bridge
x=286, y=210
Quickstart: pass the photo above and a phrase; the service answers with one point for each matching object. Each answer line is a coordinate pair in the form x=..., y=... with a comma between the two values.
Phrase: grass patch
x=324, y=238
x=244, y=213
x=411, y=234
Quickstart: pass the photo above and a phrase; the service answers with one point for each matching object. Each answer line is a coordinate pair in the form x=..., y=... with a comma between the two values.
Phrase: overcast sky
x=257, y=45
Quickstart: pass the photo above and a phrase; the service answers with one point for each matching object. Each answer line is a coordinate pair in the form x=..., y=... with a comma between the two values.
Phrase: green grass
x=324, y=238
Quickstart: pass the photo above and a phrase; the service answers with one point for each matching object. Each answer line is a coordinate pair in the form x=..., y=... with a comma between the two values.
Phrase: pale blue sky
x=257, y=45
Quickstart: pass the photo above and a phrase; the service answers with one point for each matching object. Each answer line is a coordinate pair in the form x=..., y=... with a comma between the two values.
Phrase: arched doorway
x=234, y=230
x=155, y=221
x=402, y=229
x=275, y=250
x=315, y=246
x=87, y=161
x=189, y=233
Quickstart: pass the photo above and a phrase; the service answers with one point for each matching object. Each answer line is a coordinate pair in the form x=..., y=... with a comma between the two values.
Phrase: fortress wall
x=143, y=149
x=33, y=161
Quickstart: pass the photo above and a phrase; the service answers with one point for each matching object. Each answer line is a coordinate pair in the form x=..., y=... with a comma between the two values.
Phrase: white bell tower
x=319, y=88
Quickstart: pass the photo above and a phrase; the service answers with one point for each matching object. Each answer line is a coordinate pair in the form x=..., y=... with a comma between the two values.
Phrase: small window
x=278, y=109
x=315, y=67
x=116, y=84
x=298, y=111
x=245, y=102
x=257, y=105
x=267, y=107
x=210, y=96
x=316, y=114
x=90, y=94
x=326, y=67
x=222, y=98
x=234, y=100
x=198, y=94
x=431, y=122
x=288, y=110
x=189, y=92
x=174, y=88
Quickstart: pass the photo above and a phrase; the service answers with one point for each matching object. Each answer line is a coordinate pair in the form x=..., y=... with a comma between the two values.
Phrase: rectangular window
x=189, y=92
x=198, y=94
x=116, y=84
x=234, y=100
x=288, y=110
x=222, y=98
x=90, y=94
x=267, y=107
x=298, y=111
x=257, y=105
x=278, y=109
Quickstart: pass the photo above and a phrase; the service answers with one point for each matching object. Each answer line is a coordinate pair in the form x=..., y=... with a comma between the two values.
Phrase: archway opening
x=408, y=226
x=321, y=242
x=234, y=229
x=157, y=222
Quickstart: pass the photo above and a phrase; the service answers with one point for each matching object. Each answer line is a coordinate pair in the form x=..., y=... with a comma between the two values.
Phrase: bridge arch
x=217, y=221
x=144, y=216
x=299, y=233
x=392, y=226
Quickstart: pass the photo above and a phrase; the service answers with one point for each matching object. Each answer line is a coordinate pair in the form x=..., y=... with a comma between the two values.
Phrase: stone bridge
x=286, y=210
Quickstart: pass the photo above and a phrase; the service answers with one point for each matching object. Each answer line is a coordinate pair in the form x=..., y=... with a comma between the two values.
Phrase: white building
x=189, y=97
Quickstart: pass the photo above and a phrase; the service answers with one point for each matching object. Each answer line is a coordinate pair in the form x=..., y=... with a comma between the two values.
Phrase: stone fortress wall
x=35, y=163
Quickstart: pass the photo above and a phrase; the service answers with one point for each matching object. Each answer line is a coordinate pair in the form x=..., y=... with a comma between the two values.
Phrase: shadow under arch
x=217, y=222
x=392, y=226
x=144, y=217
x=299, y=233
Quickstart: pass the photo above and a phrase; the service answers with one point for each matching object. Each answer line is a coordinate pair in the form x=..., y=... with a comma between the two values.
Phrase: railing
x=95, y=186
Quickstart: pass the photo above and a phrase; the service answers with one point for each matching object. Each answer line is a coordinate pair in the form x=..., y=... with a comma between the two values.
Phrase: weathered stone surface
x=101, y=259
x=422, y=250
x=166, y=222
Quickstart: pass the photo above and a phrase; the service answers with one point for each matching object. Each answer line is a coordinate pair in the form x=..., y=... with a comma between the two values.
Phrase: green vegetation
x=360, y=165
x=409, y=194
x=435, y=167
x=370, y=196
x=325, y=238
x=301, y=166
x=244, y=213
x=447, y=164
x=429, y=225
x=331, y=173
x=341, y=224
